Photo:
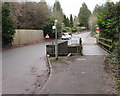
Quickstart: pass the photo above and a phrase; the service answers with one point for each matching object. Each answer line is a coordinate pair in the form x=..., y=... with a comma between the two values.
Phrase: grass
x=112, y=64
x=60, y=59
x=96, y=36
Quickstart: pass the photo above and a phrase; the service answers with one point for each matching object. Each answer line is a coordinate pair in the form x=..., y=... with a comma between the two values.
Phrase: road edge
x=50, y=71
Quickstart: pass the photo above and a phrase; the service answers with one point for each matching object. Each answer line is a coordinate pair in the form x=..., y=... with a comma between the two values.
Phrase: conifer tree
x=84, y=15
x=71, y=21
x=7, y=25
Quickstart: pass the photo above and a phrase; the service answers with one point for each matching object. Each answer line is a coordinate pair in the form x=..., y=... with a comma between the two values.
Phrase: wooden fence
x=106, y=44
x=27, y=37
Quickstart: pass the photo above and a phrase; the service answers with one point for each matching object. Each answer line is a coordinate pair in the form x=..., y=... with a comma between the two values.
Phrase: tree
x=67, y=22
x=71, y=21
x=0, y=24
x=47, y=27
x=57, y=12
x=92, y=23
x=29, y=15
x=84, y=15
x=7, y=25
x=58, y=15
x=98, y=9
x=76, y=21
x=108, y=21
x=93, y=18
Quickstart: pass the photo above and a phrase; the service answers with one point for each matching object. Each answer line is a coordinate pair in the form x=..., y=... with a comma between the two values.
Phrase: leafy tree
x=47, y=27
x=98, y=9
x=76, y=21
x=7, y=25
x=68, y=29
x=92, y=23
x=93, y=18
x=57, y=12
x=58, y=15
x=71, y=21
x=84, y=15
x=108, y=21
x=0, y=23
x=67, y=22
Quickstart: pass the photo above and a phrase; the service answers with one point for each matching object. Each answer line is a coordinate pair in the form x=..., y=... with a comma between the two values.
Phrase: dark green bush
x=47, y=28
x=8, y=28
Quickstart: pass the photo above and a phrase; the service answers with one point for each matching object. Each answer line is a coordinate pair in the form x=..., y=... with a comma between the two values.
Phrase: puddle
x=81, y=59
x=83, y=72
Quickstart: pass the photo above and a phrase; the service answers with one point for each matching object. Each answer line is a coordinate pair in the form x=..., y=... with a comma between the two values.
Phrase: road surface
x=23, y=69
x=0, y=73
x=79, y=74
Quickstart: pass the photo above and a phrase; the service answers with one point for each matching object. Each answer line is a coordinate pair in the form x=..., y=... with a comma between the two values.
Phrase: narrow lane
x=79, y=74
x=22, y=67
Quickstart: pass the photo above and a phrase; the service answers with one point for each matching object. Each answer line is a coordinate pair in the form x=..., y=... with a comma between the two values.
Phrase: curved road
x=22, y=69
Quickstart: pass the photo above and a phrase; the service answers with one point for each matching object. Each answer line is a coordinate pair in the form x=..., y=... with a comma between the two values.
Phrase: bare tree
x=29, y=15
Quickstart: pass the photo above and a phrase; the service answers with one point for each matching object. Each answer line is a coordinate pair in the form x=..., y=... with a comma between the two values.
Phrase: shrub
x=79, y=29
x=74, y=29
x=8, y=28
x=68, y=28
x=47, y=27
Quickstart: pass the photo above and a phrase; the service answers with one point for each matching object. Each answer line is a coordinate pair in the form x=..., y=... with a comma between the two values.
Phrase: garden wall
x=27, y=36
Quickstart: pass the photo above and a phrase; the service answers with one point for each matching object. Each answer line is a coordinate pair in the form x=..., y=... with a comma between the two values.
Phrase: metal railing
x=72, y=42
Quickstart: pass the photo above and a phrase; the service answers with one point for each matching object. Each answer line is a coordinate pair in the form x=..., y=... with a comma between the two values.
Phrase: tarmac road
x=0, y=73
x=79, y=74
x=24, y=69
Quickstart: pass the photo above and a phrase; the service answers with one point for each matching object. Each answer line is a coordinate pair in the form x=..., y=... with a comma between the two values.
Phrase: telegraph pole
x=56, y=43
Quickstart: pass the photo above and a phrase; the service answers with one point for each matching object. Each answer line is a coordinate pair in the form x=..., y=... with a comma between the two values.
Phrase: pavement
x=79, y=74
x=76, y=75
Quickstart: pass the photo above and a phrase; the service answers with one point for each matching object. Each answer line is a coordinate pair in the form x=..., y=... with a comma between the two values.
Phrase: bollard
x=80, y=43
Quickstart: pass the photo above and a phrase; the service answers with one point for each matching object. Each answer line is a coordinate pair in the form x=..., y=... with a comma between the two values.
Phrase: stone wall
x=64, y=49
x=73, y=49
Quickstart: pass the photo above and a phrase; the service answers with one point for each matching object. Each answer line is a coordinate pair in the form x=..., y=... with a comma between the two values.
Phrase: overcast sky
x=73, y=6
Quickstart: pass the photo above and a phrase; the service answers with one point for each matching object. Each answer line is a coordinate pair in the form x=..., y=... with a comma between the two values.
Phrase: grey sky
x=72, y=6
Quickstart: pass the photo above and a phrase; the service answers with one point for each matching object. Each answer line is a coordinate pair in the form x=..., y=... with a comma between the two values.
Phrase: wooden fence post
x=80, y=43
